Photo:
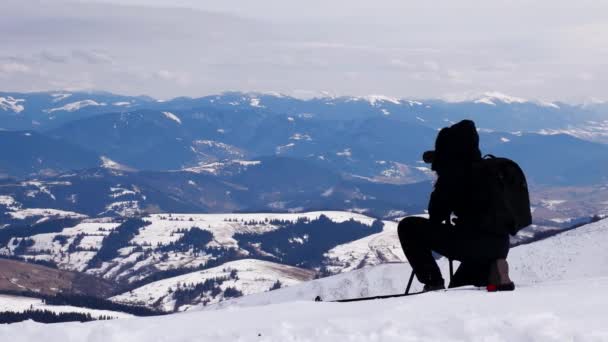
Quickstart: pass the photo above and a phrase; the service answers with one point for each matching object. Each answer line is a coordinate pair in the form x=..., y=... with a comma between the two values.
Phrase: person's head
x=455, y=146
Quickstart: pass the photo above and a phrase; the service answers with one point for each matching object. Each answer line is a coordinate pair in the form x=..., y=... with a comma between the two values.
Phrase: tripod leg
x=409, y=283
x=451, y=269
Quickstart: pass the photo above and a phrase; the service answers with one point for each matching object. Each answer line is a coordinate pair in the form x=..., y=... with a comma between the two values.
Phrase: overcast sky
x=542, y=49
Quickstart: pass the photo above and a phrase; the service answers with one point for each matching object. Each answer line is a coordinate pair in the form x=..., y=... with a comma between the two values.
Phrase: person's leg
x=419, y=238
x=415, y=237
x=475, y=250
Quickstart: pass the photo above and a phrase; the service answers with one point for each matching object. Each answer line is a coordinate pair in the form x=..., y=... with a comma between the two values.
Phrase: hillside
x=20, y=277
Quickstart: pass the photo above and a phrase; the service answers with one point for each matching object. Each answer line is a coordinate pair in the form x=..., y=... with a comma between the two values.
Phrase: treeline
x=221, y=255
x=46, y=316
x=88, y=302
x=185, y=294
x=116, y=240
x=193, y=239
x=22, y=231
x=100, y=304
x=275, y=222
x=289, y=246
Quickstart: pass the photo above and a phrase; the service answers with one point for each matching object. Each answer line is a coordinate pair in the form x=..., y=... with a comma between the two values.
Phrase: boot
x=498, y=279
x=433, y=287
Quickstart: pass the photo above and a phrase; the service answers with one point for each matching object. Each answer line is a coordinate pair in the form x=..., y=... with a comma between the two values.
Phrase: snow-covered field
x=561, y=296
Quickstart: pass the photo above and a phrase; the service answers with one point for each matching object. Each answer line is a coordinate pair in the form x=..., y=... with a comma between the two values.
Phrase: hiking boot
x=433, y=287
x=499, y=280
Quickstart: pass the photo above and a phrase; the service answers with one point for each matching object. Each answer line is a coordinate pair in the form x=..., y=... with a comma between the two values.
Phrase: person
x=453, y=228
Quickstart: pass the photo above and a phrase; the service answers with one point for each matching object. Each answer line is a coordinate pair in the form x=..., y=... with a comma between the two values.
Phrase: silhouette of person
x=453, y=227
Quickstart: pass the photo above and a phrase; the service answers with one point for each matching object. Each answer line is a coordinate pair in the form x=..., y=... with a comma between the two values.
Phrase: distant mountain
x=26, y=153
x=38, y=111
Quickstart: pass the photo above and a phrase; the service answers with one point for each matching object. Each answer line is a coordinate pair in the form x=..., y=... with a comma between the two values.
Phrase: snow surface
x=74, y=106
x=173, y=117
x=490, y=98
x=546, y=312
x=377, y=99
x=108, y=163
x=12, y=104
x=253, y=276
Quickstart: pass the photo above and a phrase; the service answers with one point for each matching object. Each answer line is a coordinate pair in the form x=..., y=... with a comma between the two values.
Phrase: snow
x=505, y=140
x=122, y=104
x=371, y=250
x=108, y=163
x=44, y=213
x=20, y=304
x=548, y=104
x=173, y=117
x=299, y=136
x=216, y=167
x=10, y=103
x=345, y=153
x=9, y=202
x=490, y=98
x=224, y=226
x=123, y=208
x=536, y=313
x=60, y=97
x=116, y=192
x=253, y=276
x=254, y=102
x=376, y=99
x=385, y=112
x=283, y=148
x=74, y=106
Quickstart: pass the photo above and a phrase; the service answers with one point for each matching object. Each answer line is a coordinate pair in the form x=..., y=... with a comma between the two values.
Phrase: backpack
x=500, y=190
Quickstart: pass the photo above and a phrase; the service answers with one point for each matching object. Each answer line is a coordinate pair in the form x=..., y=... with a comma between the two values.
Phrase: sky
x=541, y=49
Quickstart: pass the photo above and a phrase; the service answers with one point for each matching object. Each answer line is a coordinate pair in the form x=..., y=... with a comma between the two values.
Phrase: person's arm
x=439, y=208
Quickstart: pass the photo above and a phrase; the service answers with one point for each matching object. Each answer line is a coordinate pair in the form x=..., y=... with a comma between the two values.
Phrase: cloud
x=399, y=48
x=91, y=57
x=14, y=67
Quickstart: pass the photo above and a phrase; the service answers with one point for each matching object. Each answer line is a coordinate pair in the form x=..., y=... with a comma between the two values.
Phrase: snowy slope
x=375, y=249
x=251, y=276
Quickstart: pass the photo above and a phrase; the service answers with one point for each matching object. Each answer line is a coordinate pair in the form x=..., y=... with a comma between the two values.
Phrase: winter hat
x=458, y=143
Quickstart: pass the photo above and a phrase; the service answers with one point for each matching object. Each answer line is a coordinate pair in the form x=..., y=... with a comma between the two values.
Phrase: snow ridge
x=74, y=106
x=10, y=103
x=173, y=117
